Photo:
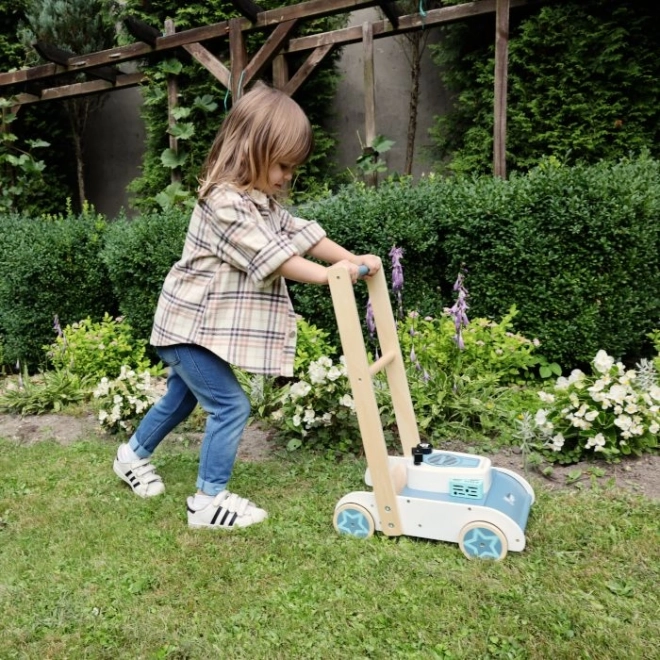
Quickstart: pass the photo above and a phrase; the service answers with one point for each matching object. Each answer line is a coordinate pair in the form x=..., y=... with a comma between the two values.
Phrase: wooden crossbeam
x=305, y=10
x=210, y=62
x=249, y=9
x=353, y=35
x=80, y=89
x=63, y=57
x=269, y=50
x=299, y=77
x=389, y=9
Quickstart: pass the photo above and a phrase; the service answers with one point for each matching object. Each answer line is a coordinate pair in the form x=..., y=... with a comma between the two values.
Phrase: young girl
x=225, y=302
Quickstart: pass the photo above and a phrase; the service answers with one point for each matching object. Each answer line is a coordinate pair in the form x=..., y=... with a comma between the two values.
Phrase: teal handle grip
x=363, y=271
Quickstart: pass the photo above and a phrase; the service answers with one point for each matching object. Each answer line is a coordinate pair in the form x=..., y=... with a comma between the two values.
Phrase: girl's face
x=278, y=175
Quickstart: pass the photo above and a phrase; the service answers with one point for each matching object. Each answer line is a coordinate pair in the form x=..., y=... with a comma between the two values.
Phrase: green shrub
x=373, y=220
x=138, y=254
x=98, y=349
x=49, y=266
x=575, y=249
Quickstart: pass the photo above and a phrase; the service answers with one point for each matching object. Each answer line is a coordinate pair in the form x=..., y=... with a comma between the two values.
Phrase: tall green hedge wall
x=576, y=249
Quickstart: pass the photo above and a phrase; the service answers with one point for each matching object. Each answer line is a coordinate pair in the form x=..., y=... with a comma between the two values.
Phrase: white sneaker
x=226, y=510
x=140, y=476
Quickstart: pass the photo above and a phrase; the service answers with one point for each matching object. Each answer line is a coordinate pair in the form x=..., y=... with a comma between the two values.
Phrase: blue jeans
x=197, y=375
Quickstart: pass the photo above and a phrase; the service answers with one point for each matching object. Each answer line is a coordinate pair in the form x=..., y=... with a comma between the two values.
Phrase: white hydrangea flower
x=597, y=442
x=296, y=420
x=546, y=397
x=617, y=393
x=299, y=390
x=576, y=375
x=603, y=362
x=309, y=416
x=562, y=383
x=334, y=373
x=557, y=442
x=317, y=373
x=541, y=417
x=347, y=401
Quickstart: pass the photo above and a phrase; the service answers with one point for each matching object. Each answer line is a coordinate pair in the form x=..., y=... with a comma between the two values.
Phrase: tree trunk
x=416, y=50
x=78, y=111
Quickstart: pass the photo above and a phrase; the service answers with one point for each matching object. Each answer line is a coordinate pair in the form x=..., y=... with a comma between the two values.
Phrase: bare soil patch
x=636, y=475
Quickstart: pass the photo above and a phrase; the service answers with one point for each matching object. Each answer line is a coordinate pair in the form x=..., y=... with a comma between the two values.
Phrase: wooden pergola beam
x=305, y=10
x=408, y=23
x=299, y=77
x=79, y=89
x=61, y=57
x=266, y=54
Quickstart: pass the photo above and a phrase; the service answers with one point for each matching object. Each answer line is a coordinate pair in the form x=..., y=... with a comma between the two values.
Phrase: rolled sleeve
x=252, y=241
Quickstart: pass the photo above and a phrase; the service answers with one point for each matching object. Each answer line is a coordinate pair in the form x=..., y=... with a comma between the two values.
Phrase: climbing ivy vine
x=203, y=102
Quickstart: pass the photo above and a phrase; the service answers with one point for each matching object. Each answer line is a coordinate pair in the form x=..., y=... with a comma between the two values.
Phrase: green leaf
x=181, y=112
x=172, y=159
x=182, y=131
x=172, y=67
x=205, y=103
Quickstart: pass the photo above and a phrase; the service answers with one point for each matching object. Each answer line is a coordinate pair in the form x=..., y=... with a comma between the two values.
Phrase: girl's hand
x=371, y=261
x=351, y=267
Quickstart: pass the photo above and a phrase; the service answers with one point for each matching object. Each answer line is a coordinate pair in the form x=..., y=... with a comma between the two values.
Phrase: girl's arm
x=300, y=269
x=331, y=252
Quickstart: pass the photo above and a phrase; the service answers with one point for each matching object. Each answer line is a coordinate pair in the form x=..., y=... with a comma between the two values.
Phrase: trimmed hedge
x=138, y=254
x=49, y=266
x=577, y=250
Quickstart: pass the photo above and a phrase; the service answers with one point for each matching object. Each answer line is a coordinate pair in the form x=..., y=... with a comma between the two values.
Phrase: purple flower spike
x=397, y=275
x=56, y=326
x=459, y=310
x=371, y=323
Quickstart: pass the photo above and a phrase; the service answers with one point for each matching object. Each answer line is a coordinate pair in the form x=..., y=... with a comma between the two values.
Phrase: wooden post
x=369, y=92
x=172, y=102
x=501, y=75
x=280, y=71
x=238, y=56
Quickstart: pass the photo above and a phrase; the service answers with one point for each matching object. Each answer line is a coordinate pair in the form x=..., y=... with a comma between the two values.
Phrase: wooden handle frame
x=360, y=374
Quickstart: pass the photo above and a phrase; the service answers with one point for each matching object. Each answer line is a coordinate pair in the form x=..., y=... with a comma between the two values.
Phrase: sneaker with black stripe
x=225, y=511
x=140, y=476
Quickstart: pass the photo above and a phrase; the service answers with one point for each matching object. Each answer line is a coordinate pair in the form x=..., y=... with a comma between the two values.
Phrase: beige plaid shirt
x=223, y=293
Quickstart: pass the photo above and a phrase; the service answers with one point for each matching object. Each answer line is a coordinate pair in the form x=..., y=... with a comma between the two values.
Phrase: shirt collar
x=261, y=199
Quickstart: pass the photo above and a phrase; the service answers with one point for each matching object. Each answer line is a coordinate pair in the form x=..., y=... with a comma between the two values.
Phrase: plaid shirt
x=223, y=293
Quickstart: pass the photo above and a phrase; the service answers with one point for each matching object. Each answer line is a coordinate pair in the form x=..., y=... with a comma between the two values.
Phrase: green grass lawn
x=88, y=570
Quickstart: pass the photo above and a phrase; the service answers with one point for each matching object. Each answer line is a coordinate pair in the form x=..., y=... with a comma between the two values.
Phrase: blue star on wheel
x=481, y=542
x=353, y=522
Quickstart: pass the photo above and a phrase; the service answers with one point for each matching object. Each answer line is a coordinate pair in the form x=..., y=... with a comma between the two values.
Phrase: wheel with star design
x=482, y=540
x=353, y=519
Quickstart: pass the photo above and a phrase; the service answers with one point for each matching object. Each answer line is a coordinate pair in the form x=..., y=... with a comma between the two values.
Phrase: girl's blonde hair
x=263, y=128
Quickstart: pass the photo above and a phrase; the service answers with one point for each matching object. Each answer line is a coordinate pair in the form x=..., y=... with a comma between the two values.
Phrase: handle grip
x=363, y=271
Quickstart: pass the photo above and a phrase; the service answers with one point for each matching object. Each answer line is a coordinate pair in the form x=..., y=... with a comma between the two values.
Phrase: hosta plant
x=614, y=412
